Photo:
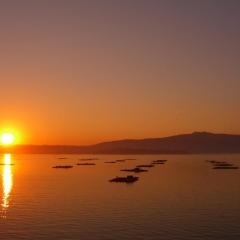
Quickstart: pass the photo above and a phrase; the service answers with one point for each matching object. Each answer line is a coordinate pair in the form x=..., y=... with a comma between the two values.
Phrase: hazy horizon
x=82, y=72
x=128, y=138
x=194, y=143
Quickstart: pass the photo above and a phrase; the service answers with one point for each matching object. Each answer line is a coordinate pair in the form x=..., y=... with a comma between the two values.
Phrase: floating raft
x=88, y=159
x=128, y=159
x=86, y=164
x=145, y=166
x=160, y=161
x=155, y=163
x=63, y=166
x=128, y=179
x=222, y=165
x=226, y=168
x=135, y=170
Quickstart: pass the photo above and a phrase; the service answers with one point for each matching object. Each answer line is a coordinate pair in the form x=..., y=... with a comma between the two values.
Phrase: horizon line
x=119, y=140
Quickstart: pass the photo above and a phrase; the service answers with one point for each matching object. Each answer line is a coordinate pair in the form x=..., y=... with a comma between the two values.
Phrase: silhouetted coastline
x=195, y=143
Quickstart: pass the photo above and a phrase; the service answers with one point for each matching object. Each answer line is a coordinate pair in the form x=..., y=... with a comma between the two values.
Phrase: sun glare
x=7, y=139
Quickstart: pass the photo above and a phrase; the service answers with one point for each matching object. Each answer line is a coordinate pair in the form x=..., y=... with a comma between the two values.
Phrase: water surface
x=183, y=199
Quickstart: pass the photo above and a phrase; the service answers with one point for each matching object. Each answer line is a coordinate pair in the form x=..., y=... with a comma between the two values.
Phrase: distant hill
x=195, y=143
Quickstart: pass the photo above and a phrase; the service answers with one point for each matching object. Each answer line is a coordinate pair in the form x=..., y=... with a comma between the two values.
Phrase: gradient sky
x=80, y=72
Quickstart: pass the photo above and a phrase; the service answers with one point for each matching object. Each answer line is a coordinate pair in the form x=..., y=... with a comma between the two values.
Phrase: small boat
x=62, y=158
x=111, y=162
x=86, y=164
x=63, y=166
x=135, y=170
x=128, y=179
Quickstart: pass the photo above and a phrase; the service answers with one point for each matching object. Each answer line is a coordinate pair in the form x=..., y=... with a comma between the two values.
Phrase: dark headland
x=195, y=143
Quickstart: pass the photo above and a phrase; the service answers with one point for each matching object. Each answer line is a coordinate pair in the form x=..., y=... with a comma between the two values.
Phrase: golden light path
x=7, y=183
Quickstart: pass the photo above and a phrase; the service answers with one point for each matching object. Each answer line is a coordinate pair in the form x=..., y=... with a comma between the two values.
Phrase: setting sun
x=7, y=139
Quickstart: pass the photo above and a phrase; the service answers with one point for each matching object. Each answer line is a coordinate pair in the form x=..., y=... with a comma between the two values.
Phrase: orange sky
x=80, y=73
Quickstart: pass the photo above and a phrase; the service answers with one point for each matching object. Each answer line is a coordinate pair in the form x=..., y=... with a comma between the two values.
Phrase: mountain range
x=194, y=143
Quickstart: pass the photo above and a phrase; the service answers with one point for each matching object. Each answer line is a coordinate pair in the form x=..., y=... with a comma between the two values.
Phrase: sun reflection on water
x=7, y=182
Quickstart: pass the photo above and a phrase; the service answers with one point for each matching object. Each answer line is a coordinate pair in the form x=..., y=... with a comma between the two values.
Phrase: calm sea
x=183, y=199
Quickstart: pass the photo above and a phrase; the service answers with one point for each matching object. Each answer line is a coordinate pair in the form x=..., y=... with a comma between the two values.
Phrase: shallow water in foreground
x=183, y=199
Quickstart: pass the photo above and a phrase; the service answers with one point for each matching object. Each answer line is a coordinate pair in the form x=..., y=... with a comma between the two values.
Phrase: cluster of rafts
x=77, y=164
x=121, y=160
x=222, y=165
x=127, y=179
x=137, y=169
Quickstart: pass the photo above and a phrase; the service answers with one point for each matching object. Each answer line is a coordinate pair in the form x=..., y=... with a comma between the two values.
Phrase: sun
x=7, y=139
